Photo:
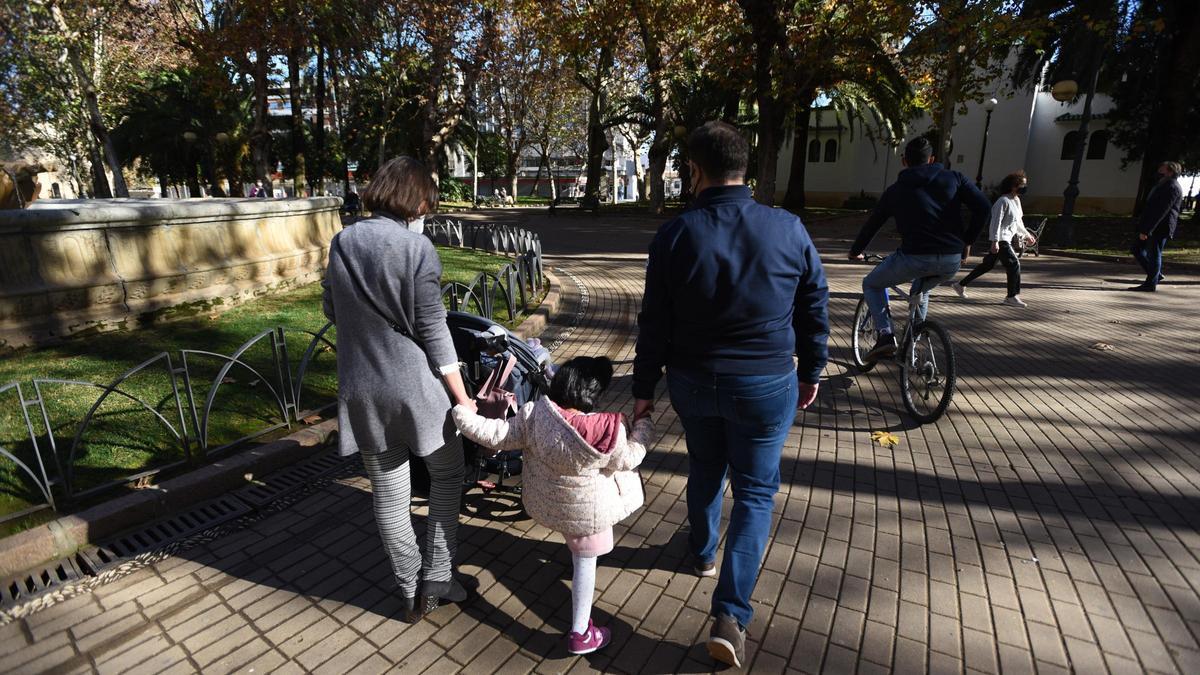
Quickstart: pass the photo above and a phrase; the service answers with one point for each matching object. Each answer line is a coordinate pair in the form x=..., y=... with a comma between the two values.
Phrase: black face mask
x=1023, y=190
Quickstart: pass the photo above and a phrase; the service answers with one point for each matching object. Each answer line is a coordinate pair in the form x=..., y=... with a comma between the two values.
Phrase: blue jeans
x=735, y=425
x=1149, y=254
x=901, y=268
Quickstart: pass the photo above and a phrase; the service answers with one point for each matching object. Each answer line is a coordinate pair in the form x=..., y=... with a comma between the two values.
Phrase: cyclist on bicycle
x=926, y=200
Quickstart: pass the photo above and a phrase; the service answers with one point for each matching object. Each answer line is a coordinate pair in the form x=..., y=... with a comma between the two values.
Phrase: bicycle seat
x=923, y=284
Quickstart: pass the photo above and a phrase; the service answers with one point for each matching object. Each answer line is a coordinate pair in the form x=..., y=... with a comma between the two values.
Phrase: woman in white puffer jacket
x=579, y=475
x=1005, y=224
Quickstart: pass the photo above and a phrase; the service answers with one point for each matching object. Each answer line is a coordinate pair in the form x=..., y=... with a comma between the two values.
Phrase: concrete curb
x=536, y=323
x=67, y=534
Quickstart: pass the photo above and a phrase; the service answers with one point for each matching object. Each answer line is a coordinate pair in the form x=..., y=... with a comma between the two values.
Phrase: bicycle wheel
x=927, y=373
x=862, y=338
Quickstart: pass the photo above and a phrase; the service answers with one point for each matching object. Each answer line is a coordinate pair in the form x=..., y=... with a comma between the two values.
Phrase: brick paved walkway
x=1048, y=522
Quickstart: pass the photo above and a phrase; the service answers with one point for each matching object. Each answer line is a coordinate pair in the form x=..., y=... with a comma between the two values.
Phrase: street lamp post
x=1066, y=91
x=988, y=105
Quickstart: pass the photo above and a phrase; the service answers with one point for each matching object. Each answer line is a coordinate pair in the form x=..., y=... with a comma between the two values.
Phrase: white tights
x=583, y=585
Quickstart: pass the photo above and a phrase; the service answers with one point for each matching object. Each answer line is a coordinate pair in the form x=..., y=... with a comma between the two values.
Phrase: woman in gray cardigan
x=395, y=362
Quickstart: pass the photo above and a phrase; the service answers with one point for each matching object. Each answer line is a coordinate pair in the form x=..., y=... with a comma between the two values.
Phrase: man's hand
x=642, y=407
x=860, y=257
x=995, y=247
x=808, y=394
x=1143, y=236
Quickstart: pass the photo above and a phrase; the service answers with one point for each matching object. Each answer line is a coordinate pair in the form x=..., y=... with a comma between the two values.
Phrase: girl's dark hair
x=579, y=382
x=1011, y=181
x=401, y=187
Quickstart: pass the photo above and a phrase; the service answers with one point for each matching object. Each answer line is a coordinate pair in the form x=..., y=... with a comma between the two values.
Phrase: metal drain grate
x=19, y=589
x=292, y=478
x=223, y=509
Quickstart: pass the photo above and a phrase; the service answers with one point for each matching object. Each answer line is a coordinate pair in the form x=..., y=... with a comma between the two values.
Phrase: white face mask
x=417, y=225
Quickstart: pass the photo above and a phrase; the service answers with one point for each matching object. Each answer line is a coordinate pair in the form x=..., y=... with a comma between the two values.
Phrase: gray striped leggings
x=392, y=492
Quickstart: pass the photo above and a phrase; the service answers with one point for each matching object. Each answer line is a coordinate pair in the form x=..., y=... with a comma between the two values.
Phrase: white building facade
x=1028, y=130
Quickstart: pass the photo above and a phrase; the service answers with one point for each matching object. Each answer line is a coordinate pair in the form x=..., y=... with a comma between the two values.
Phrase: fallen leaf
x=885, y=438
x=1103, y=347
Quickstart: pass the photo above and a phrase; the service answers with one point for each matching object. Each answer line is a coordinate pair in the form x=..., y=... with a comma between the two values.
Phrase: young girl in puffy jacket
x=579, y=475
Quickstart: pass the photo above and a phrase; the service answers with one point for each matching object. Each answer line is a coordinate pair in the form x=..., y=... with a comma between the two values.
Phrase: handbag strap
x=362, y=292
x=492, y=381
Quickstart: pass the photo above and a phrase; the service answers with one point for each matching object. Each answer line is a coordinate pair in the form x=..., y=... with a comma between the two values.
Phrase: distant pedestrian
x=1157, y=225
x=257, y=191
x=1006, y=223
x=580, y=473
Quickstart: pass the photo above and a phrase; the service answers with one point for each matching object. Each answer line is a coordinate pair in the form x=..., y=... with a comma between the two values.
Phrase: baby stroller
x=483, y=345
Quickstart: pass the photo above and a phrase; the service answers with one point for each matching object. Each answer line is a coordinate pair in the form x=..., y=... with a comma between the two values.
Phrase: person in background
x=1157, y=225
x=1006, y=222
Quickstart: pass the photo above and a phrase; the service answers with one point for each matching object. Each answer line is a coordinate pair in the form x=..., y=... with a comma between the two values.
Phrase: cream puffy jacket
x=567, y=485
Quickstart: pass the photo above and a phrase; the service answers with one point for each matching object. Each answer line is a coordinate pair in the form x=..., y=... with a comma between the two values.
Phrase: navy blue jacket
x=926, y=202
x=1163, y=205
x=732, y=287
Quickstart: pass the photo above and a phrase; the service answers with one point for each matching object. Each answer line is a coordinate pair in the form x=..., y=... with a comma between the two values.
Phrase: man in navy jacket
x=926, y=201
x=1157, y=225
x=734, y=290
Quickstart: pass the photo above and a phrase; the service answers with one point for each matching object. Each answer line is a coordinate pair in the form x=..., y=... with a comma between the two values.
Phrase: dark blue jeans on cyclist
x=902, y=268
x=734, y=425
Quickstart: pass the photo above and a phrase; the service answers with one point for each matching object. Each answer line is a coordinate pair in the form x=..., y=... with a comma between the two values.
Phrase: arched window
x=1070, y=145
x=814, y=150
x=1098, y=146
x=831, y=150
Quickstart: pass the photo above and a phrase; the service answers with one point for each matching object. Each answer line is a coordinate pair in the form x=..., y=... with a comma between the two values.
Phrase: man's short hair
x=918, y=151
x=1174, y=168
x=720, y=151
x=400, y=188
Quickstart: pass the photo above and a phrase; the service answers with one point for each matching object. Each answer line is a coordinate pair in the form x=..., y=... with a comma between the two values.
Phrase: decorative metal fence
x=177, y=399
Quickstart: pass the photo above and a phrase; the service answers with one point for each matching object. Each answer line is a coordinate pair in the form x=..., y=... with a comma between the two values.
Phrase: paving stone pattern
x=1047, y=523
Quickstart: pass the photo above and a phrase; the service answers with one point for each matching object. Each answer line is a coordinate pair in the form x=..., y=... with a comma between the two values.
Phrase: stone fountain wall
x=68, y=267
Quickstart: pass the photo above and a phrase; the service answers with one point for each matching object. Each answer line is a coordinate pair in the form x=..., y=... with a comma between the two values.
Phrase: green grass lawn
x=125, y=438
x=1114, y=235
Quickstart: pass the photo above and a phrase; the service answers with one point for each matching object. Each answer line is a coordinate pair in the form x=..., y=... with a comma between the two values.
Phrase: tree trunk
x=550, y=172
x=946, y=113
x=164, y=186
x=1169, y=117
x=299, y=177
x=260, y=137
x=100, y=189
x=597, y=140
x=769, y=36
x=334, y=63
x=95, y=120
x=660, y=148
x=319, y=131
x=537, y=179
x=795, y=198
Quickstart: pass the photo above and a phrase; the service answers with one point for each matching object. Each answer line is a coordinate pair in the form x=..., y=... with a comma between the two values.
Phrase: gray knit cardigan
x=390, y=392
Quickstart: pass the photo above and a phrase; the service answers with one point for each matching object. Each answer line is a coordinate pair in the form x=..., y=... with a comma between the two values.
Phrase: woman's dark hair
x=579, y=382
x=1011, y=181
x=400, y=188
x=720, y=151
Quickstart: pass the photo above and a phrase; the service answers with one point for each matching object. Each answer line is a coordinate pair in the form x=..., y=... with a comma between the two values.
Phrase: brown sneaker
x=727, y=641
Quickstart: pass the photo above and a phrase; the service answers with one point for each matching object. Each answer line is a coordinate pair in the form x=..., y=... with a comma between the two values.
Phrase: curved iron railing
x=51, y=473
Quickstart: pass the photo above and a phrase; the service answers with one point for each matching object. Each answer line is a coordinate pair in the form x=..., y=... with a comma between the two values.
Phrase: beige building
x=1028, y=130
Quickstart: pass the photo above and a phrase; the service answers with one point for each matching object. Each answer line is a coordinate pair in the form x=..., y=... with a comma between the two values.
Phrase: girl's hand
x=995, y=247
x=1030, y=239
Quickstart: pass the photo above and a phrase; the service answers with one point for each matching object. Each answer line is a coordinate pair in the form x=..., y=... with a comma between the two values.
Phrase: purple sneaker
x=589, y=641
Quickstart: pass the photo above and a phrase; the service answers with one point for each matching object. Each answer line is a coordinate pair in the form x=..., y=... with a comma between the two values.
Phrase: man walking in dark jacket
x=926, y=201
x=1157, y=225
x=734, y=289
